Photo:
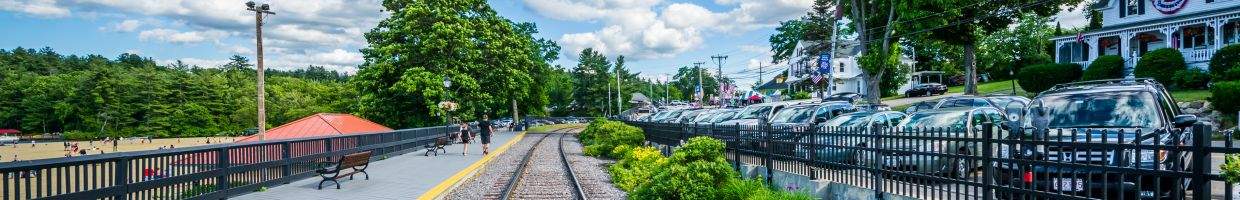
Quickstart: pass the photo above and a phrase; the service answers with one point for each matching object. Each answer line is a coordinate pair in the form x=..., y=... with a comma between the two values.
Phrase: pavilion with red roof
x=322, y=124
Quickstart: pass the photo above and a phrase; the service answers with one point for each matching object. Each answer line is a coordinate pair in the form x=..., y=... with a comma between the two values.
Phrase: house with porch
x=1131, y=28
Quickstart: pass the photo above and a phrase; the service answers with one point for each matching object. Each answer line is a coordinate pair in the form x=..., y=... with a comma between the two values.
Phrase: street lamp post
x=259, y=10
x=447, y=83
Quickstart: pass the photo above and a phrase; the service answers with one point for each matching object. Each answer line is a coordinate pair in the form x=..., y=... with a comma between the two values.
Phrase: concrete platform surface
x=406, y=176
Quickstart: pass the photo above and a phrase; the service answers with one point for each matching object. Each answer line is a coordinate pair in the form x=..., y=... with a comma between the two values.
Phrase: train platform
x=408, y=176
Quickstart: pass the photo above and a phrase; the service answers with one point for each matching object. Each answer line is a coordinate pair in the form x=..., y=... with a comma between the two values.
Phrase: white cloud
x=39, y=8
x=647, y=29
x=173, y=36
x=128, y=25
x=303, y=32
x=1069, y=18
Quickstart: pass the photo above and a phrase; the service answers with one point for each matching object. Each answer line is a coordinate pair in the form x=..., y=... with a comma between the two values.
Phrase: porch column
x=1167, y=32
x=1217, y=26
x=1123, y=44
x=1058, y=59
x=1092, y=46
x=1125, y=52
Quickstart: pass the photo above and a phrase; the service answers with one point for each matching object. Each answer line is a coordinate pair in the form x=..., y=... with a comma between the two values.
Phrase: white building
x=845, y=72
x=1133, y=27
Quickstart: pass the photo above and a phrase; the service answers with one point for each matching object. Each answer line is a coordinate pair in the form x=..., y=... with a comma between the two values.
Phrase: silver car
x=833, y=146
x=954, y=132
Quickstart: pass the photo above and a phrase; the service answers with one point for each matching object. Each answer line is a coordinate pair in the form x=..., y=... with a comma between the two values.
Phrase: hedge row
x=1038, y=78
x=696, y=170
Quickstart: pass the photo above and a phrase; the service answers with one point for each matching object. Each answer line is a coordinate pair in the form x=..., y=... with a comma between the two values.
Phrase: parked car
x=920, y=106
x=926, y=89
x=1011, y=105
x=1080, y=116
x=757, y=113
x=850, y=97
x=956, y=126
x=964, y=101
x=842, y=149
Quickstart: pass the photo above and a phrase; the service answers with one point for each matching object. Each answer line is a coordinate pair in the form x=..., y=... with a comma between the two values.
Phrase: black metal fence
x=981, y=162
x=197, y=172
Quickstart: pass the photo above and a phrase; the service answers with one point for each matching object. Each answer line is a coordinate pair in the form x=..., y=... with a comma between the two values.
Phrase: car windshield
x=723, y=116
x=754, y=112
x=705, y=116
x=1096, y=110
x=672, y=115
x=935, y=120
x=963, y=103
x=849, y=120
x=793, y=115
x=687, y=116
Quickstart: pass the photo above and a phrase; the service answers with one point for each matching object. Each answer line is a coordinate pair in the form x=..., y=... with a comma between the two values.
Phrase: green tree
x=490, y=61
x=591, y=78
x=960, y=22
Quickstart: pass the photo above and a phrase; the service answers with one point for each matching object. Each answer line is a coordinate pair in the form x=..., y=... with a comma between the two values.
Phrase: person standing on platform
x=464, y=137
x=487, y=128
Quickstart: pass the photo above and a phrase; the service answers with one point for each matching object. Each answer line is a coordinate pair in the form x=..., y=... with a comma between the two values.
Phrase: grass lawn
x=549, y=128
x=1190, y=95
x=992, y=87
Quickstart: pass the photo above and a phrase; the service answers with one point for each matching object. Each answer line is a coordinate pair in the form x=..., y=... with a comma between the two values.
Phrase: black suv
x=1100, y=139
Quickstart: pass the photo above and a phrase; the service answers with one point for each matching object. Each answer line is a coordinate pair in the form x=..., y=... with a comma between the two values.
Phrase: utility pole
x=619, y=95
x=259, y=11
x=719, y=69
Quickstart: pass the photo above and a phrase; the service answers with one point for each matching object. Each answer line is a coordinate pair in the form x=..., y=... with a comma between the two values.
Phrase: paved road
x=912, y=100
x=402, y=177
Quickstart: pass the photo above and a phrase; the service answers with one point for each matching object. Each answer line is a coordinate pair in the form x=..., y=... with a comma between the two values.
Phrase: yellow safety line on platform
x=453, y=181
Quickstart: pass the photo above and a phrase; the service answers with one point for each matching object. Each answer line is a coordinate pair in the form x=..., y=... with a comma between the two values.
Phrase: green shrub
x=636, y=167
x=696, y=170
x=1105, y=67
x=1038, y=78
x=1160, y=65
x=602, y=136
x=799, y=95
x=1232, y=74
x=1192, y=78
x=1224, y=96
x=1225, y=59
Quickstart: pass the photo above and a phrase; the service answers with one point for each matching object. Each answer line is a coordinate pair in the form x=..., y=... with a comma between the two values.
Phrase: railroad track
x=540, y=177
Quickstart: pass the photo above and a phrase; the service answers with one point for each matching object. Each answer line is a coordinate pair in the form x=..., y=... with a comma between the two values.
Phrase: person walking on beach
x=464, y=137
x=487, y=128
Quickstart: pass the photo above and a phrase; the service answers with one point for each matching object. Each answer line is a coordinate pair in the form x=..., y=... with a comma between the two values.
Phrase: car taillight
x=1028, y=177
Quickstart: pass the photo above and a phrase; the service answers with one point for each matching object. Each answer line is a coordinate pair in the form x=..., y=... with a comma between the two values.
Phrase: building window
x=1133, y=7
x=1195, y=37
x=841, y=67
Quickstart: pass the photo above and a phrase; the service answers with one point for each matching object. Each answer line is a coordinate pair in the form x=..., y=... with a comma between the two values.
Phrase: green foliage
x=1224, y=60
x=1224, y=96
x=1039, y=78
x=1232, y=74
x=799, y=95
x=1192, y=78
x=79, y=136
x=636, y=167
x=1010, y=49
x=1105, y=67
x=756, y=189
x=696, y=170
x=491, y=61
x=1160, y=64
x=610, y=138
x=1231, y=168
x=94, y=97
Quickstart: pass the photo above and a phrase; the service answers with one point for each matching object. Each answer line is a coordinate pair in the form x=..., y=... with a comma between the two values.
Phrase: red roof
x=322, y=124
x=9, y=131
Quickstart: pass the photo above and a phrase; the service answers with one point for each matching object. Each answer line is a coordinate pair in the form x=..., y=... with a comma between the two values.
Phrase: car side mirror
x=820, y=120
x=1182, y=121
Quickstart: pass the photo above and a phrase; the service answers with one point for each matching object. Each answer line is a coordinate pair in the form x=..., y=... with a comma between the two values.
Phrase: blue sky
x=656, y=36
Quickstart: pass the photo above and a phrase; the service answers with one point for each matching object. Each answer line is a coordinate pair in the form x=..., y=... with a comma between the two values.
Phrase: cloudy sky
x=656, y=35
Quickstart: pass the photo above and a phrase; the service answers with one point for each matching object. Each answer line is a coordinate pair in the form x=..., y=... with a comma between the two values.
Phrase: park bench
x=439, y=144
x=355, y=163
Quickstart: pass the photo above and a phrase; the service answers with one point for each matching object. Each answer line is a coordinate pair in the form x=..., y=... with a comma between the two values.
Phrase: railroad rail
x=512, y=188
